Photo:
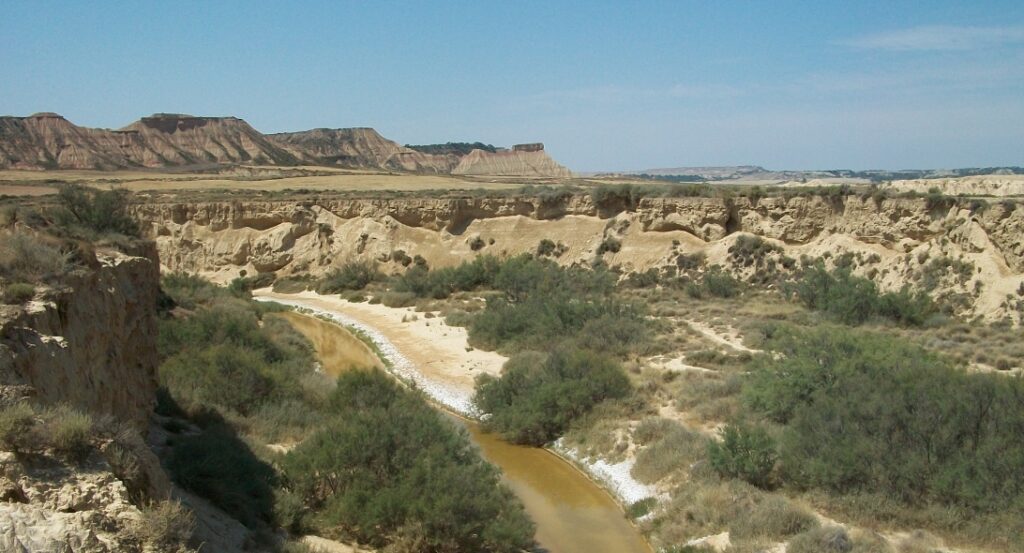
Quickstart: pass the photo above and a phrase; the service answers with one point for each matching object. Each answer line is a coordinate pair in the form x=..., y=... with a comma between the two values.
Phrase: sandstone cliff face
x=92, y=343
x=528, y=162
x=221, y=239
x=48, y=141
x=362, y=148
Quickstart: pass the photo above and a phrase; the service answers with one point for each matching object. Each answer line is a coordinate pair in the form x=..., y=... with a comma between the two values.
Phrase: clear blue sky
x=606, y=85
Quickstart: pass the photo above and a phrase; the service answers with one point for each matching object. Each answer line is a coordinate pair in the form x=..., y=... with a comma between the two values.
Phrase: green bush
x=719, y=283
x=189, y=290
x=749, y=250
x=609, y=245
x=869, y=412
x=18, y=293
x=538, y=396
x=387, y=468
x=352, y=275
x=745, y=452
x=219, y=466
x=641, y=508
x=853, y=300
x=98, y=211
x=545, y=248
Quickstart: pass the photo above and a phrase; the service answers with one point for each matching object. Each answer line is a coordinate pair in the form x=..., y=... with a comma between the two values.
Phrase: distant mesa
x=48, y=141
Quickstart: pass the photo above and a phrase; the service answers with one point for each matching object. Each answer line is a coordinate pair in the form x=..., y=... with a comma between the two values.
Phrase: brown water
x=573, y=514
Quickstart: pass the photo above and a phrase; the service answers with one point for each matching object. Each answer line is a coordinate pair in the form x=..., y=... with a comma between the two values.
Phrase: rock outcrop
x=901, y=236
x=532, y=162
x=91, y=343
x=362, y=148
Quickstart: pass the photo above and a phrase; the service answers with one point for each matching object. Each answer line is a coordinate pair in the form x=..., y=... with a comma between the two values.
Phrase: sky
x=605, y=85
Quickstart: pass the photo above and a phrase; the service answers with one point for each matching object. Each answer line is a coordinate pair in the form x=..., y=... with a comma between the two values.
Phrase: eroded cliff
x=898, y=240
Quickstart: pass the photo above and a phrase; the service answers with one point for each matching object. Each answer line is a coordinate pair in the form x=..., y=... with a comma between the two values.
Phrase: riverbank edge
x=621, y=487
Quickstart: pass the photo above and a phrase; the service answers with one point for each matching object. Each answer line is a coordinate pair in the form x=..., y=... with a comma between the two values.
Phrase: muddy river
x=573, y=514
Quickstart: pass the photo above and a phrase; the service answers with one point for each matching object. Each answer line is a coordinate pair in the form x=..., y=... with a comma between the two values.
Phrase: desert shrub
x=544, y=304
x=16, y=420
x=773, y=517
x=690, y=262
x=477, y=243
x=609, y=245
x=853, y=300
x=292, y=284
x=545, y=248
x=387, y=468
x=68, y=431
x=749, y=250
x=716, y=282
x=18, y=293
x=617, y=196
x=242, y=287
x=98, y=211
x=398, y=299
x=25, y=257
x=352, y=275
x=929, y=433
x=676, y=449
x=441, y=283
x=651, y=429
x=642, y=279
x=189, y=290
x=641, y=508
x=745, y=452
x=219, y=466
x=825, y=539
x=402, y=258
x=164, y=526
x=537, y=396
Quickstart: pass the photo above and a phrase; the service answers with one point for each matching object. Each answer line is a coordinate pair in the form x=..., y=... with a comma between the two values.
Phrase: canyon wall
x=898, y=238
x=91, y=342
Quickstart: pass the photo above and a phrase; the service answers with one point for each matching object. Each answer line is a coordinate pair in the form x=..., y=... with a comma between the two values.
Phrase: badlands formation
x=896, y=241
x=49, y=141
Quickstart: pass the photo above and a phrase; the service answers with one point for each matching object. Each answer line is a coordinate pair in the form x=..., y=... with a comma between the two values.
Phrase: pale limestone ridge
x=899, y=235
x=983, y=185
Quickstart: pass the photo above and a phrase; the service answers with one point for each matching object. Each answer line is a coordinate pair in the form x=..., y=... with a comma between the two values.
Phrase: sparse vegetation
x=352, y=275
x=18, y=293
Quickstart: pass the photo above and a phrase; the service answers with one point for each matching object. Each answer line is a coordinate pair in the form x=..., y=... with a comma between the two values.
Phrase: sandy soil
x=439, y=353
